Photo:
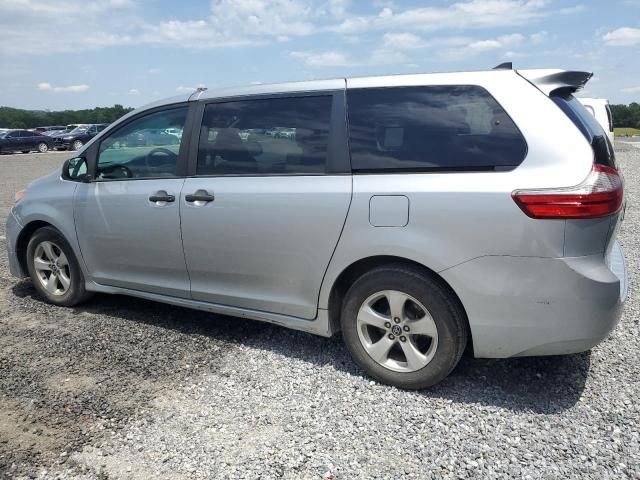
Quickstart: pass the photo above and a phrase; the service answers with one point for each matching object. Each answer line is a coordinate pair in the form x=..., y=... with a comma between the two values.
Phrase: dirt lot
x=125, y=388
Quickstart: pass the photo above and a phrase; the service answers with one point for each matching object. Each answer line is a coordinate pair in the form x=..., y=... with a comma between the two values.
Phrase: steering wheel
x=120, y=171
x=155, y=151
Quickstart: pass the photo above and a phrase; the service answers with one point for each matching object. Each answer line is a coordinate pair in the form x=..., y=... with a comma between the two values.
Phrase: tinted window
x=140, y=149
x=431, y=129
x=272, y=136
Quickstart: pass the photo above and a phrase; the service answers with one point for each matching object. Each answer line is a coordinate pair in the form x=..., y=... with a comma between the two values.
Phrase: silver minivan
x=420, y=215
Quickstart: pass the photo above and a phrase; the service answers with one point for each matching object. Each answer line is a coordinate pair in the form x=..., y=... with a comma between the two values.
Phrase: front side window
x=142, y=149
x=431, y=128
x=265, y=136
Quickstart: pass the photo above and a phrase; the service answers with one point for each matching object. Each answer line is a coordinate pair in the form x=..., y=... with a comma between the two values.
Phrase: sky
x=59, y=54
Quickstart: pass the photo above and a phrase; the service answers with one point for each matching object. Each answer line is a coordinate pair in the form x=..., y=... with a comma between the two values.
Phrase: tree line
x=626, y=116
x=18, y=118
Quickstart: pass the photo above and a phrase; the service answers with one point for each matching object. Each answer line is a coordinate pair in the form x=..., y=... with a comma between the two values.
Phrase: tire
x=77, y=145
x=427, y=306
x=68, y=288
x=43, y=147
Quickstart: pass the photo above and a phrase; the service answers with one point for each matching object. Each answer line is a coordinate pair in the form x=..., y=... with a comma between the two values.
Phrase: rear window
x=589, y=126
x=431, y=128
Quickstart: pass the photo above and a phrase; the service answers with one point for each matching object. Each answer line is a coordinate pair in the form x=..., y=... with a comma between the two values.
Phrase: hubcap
x=43, y=147
x=77, y=144
x=52, y=268
x=397, y=331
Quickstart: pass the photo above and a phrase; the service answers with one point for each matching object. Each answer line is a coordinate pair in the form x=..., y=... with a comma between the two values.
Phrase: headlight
x=68, y=138
x=20, y=195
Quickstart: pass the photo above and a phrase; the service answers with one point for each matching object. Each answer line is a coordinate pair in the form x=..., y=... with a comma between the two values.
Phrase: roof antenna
x=504, y=66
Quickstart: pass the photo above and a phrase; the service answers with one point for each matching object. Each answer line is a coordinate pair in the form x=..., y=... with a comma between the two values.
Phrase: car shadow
x=536, y=384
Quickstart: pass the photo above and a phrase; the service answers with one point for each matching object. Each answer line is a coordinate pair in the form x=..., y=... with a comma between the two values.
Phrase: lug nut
x=387, y=324
x=397, y=320
x=392, y=336
x=403, y=338
x=406, y=328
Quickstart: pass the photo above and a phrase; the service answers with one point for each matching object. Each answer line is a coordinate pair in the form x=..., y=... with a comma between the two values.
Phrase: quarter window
x=266, y=136
x=431, y=128
x=143, y=148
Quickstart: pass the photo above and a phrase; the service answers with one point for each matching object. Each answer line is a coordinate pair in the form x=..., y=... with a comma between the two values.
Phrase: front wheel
x=403, y=327
x=77, y=145
x=54, y=268
x=43, y=147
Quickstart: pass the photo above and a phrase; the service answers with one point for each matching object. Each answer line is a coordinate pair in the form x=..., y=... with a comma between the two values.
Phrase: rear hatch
x=592, y=210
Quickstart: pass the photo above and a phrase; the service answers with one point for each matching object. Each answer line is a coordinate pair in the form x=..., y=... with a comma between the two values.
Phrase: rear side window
x=265, y=136
x=431, y=128
x=588, y=125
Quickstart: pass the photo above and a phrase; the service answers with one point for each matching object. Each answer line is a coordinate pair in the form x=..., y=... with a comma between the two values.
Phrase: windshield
x=3, y=134
x=79, y=129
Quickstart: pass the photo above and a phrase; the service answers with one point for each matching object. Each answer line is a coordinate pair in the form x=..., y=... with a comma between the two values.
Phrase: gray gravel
x=124, y=388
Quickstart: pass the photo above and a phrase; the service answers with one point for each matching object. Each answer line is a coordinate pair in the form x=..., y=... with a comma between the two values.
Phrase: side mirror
x=76, y=170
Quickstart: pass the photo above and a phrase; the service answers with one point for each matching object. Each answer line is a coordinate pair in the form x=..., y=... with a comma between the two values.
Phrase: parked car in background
x=174, y=131
x=600, y=109
x=421, y=215
x=49, y=128
x=24, y=141
x=152, y=137
x=76, y=138
x=288, y=133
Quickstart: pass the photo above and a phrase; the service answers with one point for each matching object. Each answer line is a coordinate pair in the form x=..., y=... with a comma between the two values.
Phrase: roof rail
x=196, y=94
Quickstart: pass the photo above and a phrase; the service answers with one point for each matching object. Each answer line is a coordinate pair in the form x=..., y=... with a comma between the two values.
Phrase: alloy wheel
x=397, y=331
x=52, y=268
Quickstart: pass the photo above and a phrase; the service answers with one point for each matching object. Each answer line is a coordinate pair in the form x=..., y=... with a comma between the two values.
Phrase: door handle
x=200, y=196
x=162, y=196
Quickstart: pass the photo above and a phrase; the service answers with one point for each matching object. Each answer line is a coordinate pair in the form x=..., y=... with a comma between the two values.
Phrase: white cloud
x=462, y=14
x=183, y=89
x=68, y=89
x=623, y=37
x=134, y=91
x=324, y=59
x=631, y=89
x=402, y=41
x=505, y=41
x=271, y=18
x=539, y=37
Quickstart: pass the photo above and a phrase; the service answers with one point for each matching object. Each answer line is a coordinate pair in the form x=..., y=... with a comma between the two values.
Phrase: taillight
x=600, y=194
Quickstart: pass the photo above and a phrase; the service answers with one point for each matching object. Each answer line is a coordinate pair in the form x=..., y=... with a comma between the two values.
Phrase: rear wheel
x=403, y=327
x=54, y=268
x=77, y=145
x=43, y=147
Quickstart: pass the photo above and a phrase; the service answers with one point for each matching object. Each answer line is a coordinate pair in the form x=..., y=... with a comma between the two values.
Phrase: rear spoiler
x=548, y=81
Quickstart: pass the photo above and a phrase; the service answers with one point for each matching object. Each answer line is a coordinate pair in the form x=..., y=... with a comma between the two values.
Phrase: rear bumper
x=524, y=306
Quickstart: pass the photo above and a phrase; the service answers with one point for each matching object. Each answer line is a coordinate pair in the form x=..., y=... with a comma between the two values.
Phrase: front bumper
x=525, y=306
x=13, y=229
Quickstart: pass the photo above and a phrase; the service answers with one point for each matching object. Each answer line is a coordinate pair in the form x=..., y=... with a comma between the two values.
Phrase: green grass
x=626, y=131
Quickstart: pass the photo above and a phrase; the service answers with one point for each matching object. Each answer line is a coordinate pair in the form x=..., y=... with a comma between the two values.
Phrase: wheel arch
x=359, y=267
x=23, y=240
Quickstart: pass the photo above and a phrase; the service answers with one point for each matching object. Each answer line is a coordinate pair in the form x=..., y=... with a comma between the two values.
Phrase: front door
x=128, y=219
x=264, y=212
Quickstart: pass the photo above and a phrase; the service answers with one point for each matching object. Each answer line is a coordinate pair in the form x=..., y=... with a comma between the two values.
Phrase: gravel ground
x=124, y=388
